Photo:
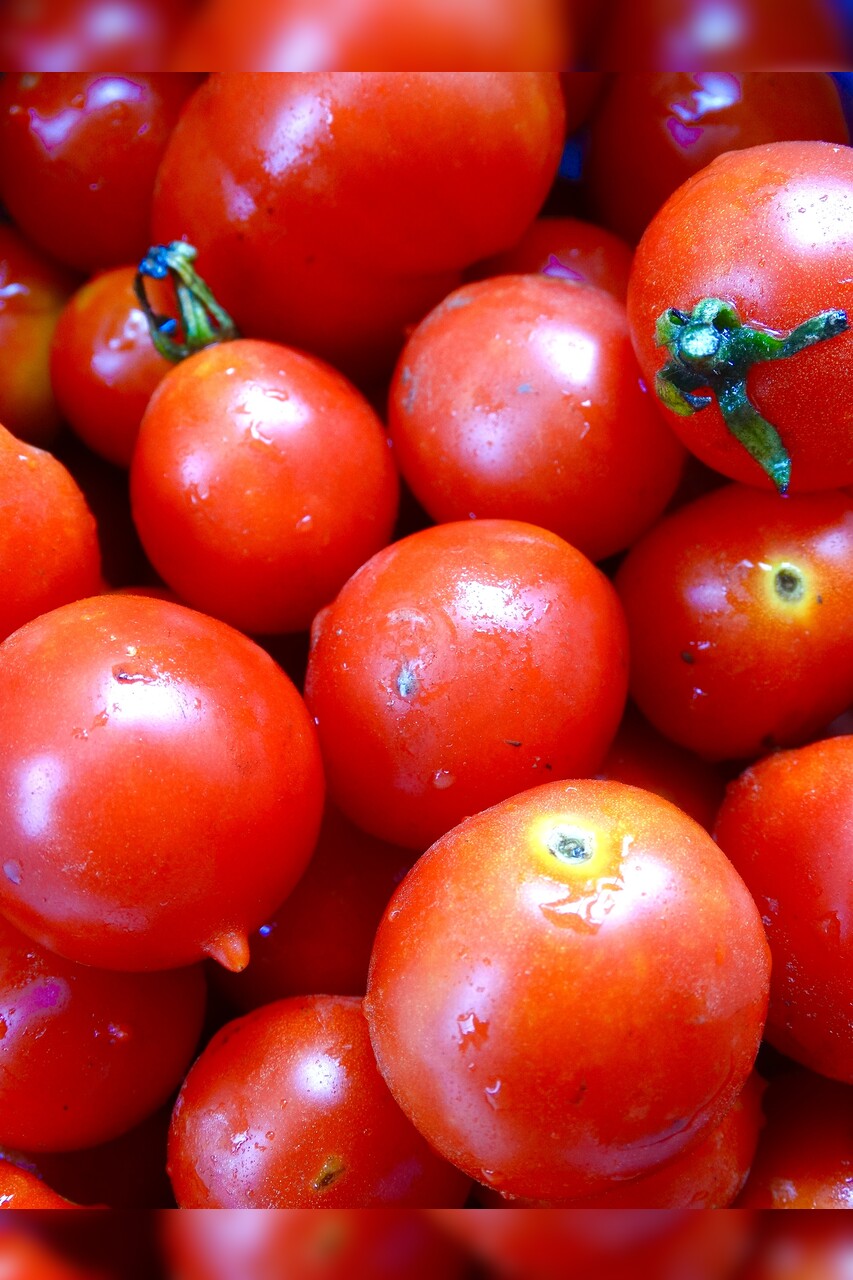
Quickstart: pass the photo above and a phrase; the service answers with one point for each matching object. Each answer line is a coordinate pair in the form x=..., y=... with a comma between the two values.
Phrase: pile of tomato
x=426, y=600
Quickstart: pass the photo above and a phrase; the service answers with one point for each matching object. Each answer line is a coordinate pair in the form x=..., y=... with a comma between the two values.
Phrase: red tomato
x=85, y=1054
x=653, y=131
x=299, y=35
x=46, y=530
x=302, y=1244
x=785, y=825
x=569, y=249
x=23, y=1257
x=261, y=480
x=78, y=155
x=343, y=274
x=764, y=239
x=740, y=612
x=568, y=989
x=519, y=398
x=467, y=662
x=160, y=784
x=805, y=1155
x=285, y=1109
x=33, y=292
x=103, y=365
x=20, y=1189
x=321, y=937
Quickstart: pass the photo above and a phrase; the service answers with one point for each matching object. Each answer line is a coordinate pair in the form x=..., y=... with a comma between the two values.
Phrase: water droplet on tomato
x=442, y=779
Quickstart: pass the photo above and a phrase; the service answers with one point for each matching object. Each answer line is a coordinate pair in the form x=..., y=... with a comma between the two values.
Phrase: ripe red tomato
x=519, y=398
x=763, y=238
x=261, y=480
x=20, y=1189
x=568, y=989
x=33, y=291
x=285, y=1109
x=654, y=130
x=78, y=156
x=805, y=1154
x=785, y=825
x=89, y=35
x=103, y=364
x=740, y=612
x=160, y=784
x=324, y=208
x=467, y=662
x=46, y=529
x=567, y=248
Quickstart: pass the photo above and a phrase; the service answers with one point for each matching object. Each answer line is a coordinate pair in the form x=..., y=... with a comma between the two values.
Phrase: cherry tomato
x=299, y=35
x=323, y=206
x=21, y=1189
x=78, y=155
x=321, y=937
x=285, y=1109
x=160, y=784
x=740, y=612
x=569, y=249
x=467, y=662
x=653, y=131
x=519, y=398
x=33, y=292
x=103, y=364
x=805, y=1155
x=261, y=481
x=784, y=824
x=740, y=304
x=568, y=989
x=46, y=530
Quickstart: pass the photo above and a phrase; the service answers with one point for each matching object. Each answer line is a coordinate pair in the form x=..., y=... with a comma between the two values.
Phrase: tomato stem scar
x=711, y=348
x=203, y=321
x=569, y=845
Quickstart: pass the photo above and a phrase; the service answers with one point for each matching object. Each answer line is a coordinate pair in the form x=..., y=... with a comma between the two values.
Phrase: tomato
x=285, y=1109
x=299, y=35
x=805, y=1156
x=467, y=662
x=103, y=364
x=46, y=526
x=86, y=146
x=24, y=1258
x=519, y=398
x=567, y=248
x=323, y=206
x=20, y=1189
x=33, y=292
x=740, y=612
x=336, y=1244
x=321, y=936
x=568, y=989
x=261, y=481
x=654, y=130
x=740, y=300
x=785, y=824
x=160, y=784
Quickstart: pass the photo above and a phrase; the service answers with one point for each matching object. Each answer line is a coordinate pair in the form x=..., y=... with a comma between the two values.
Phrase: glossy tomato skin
x=654, y=130
x=33, y=291
x=805, y=1155
x=770, y=230
x=261, y=480
x=87, y=144
x=740, y=607
x=785, y=825
x=90, y=35
x=507, y=980
x=160, y=784
x=103, y=365
x=519, y=398
x=87, y=1054
x=321, y=936
x=319, y=1128
x=394, y=222
x=568, y=248
x=47, y=530
x=468, y=662
x=270, y=35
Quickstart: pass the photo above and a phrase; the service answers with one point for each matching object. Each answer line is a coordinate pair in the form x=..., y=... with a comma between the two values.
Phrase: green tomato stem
x=202, y=321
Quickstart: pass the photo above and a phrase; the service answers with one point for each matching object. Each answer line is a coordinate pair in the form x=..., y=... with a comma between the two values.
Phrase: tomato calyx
x=712, y=349
x=202, y=323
